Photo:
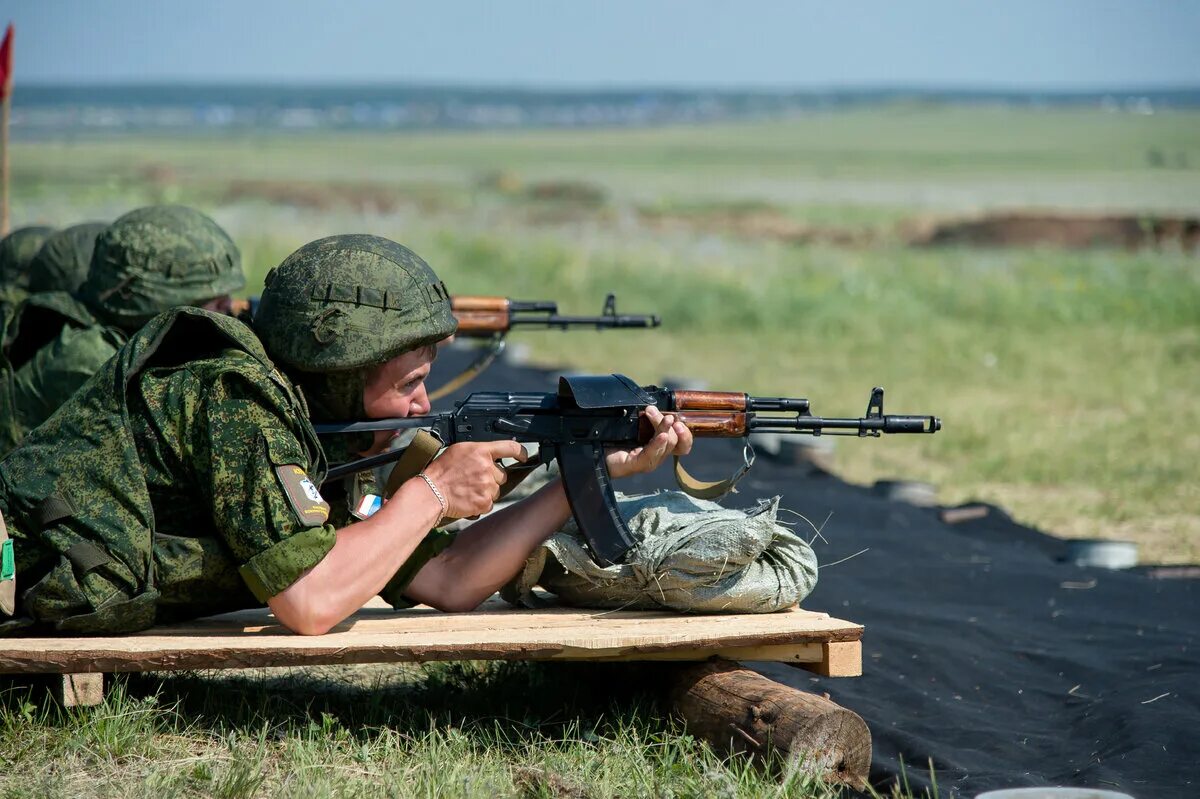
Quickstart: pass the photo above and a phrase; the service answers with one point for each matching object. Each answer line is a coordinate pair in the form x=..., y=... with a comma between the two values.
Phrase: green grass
x=463, y=729
x=913, y=157
x=1067, y=382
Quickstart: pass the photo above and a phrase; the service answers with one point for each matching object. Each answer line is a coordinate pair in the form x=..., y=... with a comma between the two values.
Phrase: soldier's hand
x=469, y=477
x=671, y=437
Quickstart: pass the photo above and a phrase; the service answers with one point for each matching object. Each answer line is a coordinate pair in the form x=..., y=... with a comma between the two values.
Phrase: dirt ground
x=1072, y=231
x=1061, y=230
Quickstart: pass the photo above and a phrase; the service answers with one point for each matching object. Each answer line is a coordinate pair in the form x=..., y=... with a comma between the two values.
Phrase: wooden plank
x=381, y=635
x=800, y=654
x=79, y=690
x=840, y=659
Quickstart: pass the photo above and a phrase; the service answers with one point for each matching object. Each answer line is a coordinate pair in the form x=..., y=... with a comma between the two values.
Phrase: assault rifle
x=590, y=413
x=493, y=318
x=481, y=317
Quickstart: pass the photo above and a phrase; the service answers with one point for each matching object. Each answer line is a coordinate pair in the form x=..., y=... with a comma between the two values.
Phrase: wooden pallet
x=378, y=634
x=727, y=705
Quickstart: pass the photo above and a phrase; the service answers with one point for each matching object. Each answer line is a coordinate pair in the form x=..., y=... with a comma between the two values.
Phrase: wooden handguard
x=481, y=321
x=715, y=425
x=471, y=303
x=702, y=424
x=709, y=401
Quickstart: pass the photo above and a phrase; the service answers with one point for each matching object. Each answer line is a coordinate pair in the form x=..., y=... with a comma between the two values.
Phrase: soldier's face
x=397, y=389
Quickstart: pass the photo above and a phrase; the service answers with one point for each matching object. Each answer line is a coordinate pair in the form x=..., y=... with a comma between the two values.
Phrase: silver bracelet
x=440, y=498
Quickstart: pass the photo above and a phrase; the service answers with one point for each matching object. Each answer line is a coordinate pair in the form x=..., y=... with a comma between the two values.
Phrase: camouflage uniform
x=62, y=262
x=55, y=346
x=16, y=251
x=147, y=261
x=180, y=480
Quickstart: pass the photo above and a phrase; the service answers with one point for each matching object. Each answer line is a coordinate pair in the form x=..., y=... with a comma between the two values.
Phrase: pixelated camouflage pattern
x=38, y=387
x=151, y=495
x=348, y=302
x=157, y=258
x=52, y=346
x=16, y=251
x=34, y=321
x=62, y=262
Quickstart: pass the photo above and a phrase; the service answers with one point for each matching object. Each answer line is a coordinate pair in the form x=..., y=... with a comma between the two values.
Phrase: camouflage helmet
x=349, y=302
x=156, y=258
x=62, y=262
x=16, y=251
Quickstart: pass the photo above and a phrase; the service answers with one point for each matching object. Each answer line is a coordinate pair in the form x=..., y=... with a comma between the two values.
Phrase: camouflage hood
x=62, y=262
x=16, y=251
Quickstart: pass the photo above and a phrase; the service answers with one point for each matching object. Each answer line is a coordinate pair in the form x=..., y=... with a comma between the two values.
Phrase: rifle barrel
x=603, y=321
x=864, y=426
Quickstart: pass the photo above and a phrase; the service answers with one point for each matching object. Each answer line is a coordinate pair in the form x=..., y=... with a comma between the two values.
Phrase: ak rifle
x=482, y=317
x=589, y=414
x=493, y=318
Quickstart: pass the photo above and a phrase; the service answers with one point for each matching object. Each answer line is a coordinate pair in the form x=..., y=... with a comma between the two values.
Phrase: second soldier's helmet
x=156, y=258
x=340, y=305
x=62, y=262
x=16, y=251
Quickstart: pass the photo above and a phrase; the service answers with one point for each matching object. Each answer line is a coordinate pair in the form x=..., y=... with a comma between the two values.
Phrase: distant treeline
x=40, y=111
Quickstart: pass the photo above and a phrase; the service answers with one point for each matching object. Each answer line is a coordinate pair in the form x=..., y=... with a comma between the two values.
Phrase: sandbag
x=692, y=555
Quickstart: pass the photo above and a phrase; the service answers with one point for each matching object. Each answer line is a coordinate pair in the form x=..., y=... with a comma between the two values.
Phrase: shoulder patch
x=303, y=495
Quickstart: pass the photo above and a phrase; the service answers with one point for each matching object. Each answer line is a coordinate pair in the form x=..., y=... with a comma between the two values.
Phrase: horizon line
x=620, y=88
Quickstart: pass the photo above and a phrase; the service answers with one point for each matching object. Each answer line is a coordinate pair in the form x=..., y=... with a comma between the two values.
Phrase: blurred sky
x=952, y=43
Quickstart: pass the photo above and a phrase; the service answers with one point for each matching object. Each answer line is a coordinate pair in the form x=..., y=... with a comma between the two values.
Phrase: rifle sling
x=707, y=489
x=419, y=454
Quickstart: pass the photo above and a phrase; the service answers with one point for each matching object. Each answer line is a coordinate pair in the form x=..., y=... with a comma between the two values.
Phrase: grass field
x=1067, y=381
x=469, y=730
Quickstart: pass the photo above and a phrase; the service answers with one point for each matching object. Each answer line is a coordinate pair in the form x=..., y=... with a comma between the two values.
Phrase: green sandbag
x=692, y=555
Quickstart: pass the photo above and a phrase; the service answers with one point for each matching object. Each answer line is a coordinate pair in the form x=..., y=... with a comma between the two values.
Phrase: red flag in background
x=6, y=63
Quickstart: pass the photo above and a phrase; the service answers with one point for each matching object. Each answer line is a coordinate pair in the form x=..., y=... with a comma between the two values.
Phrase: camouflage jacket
x=161, y=489
x=180, y=481
x=52, y=345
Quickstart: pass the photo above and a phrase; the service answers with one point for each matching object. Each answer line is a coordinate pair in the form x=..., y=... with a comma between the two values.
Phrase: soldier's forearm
x=489, y=553
x=366, y=555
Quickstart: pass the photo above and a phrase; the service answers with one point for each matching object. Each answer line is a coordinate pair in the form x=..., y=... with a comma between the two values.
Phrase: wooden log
x=739, y=710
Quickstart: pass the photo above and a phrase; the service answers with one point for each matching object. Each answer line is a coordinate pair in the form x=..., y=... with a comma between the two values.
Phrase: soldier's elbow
x=302, y=617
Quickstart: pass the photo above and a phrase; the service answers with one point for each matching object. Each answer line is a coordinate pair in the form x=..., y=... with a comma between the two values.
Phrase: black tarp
x=983, y=652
